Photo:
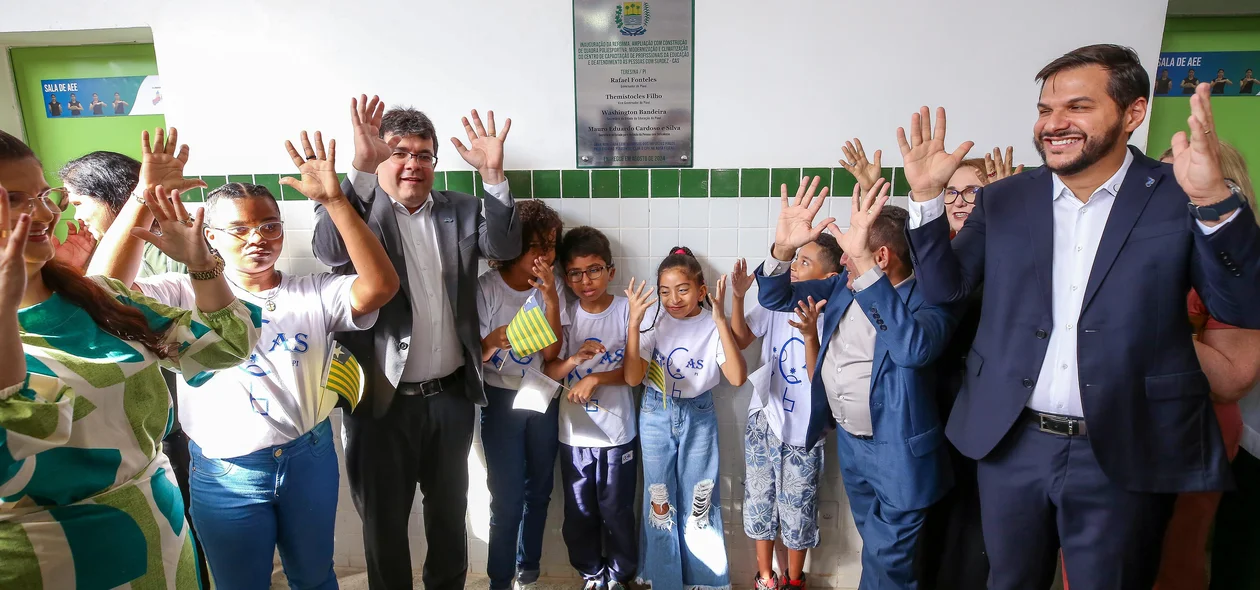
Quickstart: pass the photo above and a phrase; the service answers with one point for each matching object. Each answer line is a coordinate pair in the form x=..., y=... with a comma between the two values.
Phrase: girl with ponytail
x=679, y=356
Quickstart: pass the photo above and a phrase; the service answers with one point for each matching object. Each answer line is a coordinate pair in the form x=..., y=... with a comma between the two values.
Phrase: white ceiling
x=1213, y=7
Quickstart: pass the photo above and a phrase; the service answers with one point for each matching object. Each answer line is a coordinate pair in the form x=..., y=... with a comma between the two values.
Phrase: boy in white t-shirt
x=781, y=475
x=520, y=445
x=597, y=419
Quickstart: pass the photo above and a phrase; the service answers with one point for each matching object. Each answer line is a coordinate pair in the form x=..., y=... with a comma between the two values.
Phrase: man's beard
x=1095, y=149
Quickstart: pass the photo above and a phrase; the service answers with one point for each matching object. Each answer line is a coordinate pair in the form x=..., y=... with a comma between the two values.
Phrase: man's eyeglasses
x=425, y=160
x=594, y=272
x=968, y=195
x=53, y=198
x=268, y=231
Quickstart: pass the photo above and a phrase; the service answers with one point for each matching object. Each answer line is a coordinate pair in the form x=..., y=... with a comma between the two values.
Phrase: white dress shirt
x=433, y=332
x=1078, y=229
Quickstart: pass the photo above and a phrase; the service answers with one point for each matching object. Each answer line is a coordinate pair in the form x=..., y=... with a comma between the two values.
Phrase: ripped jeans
x=681, y=544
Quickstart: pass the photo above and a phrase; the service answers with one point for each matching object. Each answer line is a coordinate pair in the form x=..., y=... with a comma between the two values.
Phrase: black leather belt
x=1056, y=424
x=431, y=387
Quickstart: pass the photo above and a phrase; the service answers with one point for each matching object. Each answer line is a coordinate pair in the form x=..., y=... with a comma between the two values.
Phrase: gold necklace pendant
x=271, y=305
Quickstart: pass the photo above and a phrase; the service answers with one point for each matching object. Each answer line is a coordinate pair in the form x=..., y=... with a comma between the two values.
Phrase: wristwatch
x=1216, y=211
x=206, y=275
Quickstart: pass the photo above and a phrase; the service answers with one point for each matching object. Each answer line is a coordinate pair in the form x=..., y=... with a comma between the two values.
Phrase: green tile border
x=611, y=183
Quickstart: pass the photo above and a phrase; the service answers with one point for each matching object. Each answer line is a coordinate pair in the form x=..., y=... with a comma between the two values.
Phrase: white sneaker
x=594, y=585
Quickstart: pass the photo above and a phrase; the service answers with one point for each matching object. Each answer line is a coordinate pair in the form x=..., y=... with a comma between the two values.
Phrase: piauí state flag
x=529, y=331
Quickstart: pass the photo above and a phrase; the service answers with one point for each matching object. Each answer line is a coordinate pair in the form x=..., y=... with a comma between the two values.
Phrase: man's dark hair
x=831, y=252
x=108, y=177
x=405, y=122
x=538, y=221
x=1128, y=82
x=12, y=148
x=585, y=241
x=889, y=230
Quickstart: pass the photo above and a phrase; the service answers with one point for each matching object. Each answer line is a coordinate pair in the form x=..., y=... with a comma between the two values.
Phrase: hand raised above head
x=319, y=174
x=865, y=171
x=485, y=146
x=927, y=165
x=369, y=148
x=796, y=226
x=160, y=163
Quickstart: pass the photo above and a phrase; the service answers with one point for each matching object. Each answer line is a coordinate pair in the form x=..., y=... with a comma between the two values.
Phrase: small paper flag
x=529, y=331
x=345, y=377
x=656, y=376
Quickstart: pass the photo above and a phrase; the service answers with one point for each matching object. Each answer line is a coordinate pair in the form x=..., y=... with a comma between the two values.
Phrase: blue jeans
x=681, y=545
x=520, y=448
x=285, y=496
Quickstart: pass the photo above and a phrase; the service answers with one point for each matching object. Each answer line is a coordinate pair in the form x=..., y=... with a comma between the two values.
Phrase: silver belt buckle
x=1066, y=426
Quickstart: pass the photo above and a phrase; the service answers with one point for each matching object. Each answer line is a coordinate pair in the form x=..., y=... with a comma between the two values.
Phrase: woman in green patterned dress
x=87, y=499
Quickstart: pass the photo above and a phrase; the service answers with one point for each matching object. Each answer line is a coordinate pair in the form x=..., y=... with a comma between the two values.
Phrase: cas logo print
x=632, y=18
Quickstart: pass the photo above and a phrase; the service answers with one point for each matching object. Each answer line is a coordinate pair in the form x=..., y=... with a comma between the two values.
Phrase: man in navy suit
x=1084, y=402
x=873, y=375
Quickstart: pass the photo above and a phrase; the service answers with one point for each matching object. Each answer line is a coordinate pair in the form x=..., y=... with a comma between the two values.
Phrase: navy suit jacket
x=909, y=336
x=1144, y=395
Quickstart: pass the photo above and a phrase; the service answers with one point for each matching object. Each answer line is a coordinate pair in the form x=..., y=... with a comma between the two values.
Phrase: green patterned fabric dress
x=87, y=499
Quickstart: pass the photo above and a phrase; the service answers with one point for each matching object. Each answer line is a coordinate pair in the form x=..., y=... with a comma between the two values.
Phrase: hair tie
x=679, y=251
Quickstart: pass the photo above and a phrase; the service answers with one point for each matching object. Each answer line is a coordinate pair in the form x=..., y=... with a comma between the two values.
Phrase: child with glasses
x=598, y=464
x=264, y=473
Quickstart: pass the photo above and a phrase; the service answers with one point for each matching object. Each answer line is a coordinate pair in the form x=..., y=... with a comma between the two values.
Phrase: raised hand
x=717, y=298
x=1197, y=159
x=161, y=164
x=545, y=281
x=319, y=170
x=76, y=251
x=796, y=219
x=365, y=118
x=641, y=298
x=12, y=257
x=181, y=236
x=741, y=281
x=807, y=313
x=589, y=350
x=485, y=146
x=999, y=167
x=927, y=165
x=866, y=208
x=865, y=171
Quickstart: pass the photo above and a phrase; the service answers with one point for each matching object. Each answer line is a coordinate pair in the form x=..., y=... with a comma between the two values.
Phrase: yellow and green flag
x=529, y=331
x=656, y=375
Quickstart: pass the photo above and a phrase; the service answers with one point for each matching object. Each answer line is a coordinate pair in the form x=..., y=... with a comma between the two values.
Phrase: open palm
x=1197, y=158
x=796, y=218
x=485, y=143
x=365, y=118
x=319, y=170
x=927, y=165
x=161, y=163
x=181, y=237
x=866, y=208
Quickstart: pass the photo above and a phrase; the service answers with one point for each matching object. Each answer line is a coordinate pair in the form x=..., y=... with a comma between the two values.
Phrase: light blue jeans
x=286, y=496
x=681, y=545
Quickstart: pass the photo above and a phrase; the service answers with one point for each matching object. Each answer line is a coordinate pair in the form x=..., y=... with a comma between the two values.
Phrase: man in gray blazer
x=415, y=421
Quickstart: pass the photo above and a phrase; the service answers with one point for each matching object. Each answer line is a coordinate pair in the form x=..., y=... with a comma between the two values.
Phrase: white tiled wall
x=642, y=231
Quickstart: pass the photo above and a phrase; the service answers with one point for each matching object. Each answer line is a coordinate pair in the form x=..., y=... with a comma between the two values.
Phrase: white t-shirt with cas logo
x=785, y=395
x=608, y=419
x=273, y=397
x=497, y=304
x=689, y=351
